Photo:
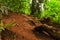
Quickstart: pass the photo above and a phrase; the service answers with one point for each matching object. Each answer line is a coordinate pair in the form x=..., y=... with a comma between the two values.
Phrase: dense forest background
x=38, y=8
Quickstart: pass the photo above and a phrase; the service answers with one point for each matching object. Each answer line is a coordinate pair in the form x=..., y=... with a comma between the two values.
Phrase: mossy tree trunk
x=35, y=6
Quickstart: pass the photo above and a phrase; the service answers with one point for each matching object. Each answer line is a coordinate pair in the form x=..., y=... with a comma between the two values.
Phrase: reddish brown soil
x=23, y=29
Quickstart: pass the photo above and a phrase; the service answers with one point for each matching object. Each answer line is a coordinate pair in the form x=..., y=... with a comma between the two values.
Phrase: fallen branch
x=52, y=31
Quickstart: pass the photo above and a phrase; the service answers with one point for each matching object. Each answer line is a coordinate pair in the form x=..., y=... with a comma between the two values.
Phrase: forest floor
x=23, y=28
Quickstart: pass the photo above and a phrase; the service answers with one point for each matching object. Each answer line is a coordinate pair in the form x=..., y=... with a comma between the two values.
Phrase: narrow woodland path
x=22, y=28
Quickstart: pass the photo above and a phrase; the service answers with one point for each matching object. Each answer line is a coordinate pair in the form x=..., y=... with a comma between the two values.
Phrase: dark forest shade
x=35, y=7
x=55, y=35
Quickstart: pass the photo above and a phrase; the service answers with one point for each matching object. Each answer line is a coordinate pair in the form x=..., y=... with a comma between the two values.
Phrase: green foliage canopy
x=52, y=10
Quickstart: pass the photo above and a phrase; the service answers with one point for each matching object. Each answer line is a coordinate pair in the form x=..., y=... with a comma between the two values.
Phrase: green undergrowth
x=52, y=10
x=22, y=6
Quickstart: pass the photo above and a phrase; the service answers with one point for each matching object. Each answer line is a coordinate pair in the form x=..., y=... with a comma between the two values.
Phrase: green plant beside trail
x=3, y=29
x=4, y=11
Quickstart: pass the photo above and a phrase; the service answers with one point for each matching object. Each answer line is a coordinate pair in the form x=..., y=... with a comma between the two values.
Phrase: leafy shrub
x=18, y=5
x=52, y=10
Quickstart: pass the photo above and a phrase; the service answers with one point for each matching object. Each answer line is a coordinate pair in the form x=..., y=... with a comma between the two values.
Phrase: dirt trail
x=23, y=29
